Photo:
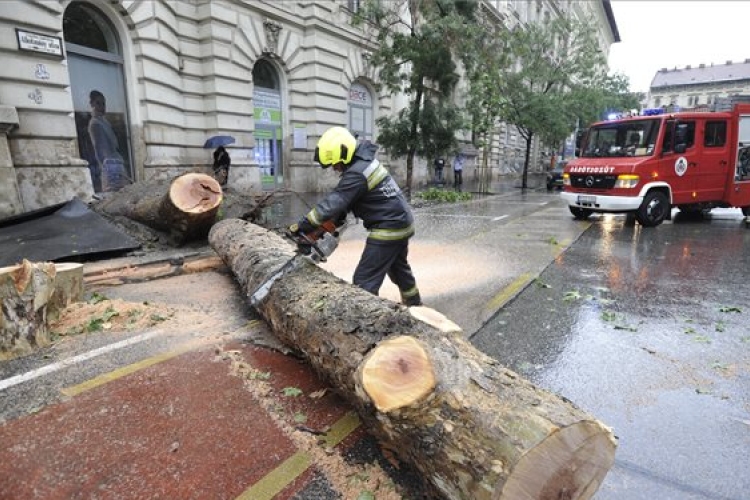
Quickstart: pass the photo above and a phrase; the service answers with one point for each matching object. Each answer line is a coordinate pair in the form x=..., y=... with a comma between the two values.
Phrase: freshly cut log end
x=570, y=463
x=397, y=373
x=195, y=193
x=434, y=318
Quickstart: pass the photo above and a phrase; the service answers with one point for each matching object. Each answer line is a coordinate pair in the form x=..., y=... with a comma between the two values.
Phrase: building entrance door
x=268, y=156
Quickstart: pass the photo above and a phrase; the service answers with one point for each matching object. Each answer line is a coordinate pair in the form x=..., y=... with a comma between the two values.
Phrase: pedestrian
x=222, y=161
x=458, y=171
x=439, y=165
x=368, y=191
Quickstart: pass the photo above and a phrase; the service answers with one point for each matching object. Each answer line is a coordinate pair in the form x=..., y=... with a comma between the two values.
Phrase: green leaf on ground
x=572, y=296
x=541, y=284
x=291, y=392
x=609, y=316
x=96, y=298
x=702, y=339
x=300, y=418
x=730, y=309
x=720, y=326
x=629, y=328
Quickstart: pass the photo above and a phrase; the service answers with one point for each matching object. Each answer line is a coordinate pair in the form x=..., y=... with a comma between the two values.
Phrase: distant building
x=699, y=86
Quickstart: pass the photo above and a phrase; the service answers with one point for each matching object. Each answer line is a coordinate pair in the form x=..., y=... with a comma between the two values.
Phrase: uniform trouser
x=381, y=258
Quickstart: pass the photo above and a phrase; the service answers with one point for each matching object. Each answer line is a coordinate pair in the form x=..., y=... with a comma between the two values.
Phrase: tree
x=486, y=99
x=560, y=79
x=419, y=43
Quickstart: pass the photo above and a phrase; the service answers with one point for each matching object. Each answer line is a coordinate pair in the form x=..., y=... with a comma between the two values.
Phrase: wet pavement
x=647, y=330
x=210, y=405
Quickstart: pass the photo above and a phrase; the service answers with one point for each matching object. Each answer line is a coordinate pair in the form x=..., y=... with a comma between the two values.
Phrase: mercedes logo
x=590, y=181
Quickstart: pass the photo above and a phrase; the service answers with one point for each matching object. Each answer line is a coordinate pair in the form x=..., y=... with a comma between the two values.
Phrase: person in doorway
x=222, y=161
x=458, y=171
x=439, y=165
x=110, y=162
x=368, y=191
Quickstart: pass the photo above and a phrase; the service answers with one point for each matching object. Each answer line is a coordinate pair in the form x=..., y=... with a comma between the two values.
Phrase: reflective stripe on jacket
x=367, y=189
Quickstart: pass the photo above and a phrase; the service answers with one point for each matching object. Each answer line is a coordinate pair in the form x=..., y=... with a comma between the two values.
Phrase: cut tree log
x=25, y=290
x=473, y=428
x=184, y=208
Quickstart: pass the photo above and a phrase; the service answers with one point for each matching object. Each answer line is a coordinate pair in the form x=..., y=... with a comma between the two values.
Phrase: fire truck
x=647, y=164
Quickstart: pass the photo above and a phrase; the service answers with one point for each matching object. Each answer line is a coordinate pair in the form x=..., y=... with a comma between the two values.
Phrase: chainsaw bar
x=262, y=291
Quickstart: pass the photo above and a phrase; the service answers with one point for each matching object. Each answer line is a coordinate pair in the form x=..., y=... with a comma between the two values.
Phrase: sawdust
x=350, y=480
x=103, y=314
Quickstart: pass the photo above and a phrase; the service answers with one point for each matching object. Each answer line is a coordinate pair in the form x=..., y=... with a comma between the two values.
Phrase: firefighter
x=368, y=191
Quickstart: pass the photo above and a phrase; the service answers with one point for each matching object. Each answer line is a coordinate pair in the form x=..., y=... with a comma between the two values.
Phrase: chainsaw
x=319, y=243
x=316, y=246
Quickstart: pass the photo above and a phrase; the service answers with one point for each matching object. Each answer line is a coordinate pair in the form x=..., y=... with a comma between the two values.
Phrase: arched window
x=97, y=82
x=360, y=112
x=84, y=25
x=265, y=75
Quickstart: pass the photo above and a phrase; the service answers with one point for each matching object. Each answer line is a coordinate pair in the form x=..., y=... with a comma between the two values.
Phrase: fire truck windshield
x=622, y=138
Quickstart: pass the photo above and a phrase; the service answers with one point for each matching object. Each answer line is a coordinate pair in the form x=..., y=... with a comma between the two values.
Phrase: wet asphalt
x=644, y=328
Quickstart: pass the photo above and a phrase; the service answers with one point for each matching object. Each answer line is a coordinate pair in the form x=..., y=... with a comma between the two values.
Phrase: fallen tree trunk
x=474, y=429
x=185, y=208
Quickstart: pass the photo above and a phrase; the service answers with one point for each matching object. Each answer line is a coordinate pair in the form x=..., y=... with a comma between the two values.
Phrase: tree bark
x=25, y=290
x=185, y=208
x=473, y=428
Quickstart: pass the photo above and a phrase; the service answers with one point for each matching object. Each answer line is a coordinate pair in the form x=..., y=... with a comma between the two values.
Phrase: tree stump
x=184, y=208
x=473, y=428
x=68, y=288
x=25, y=290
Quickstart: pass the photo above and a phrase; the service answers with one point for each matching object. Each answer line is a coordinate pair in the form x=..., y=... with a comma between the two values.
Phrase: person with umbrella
x=222, y=160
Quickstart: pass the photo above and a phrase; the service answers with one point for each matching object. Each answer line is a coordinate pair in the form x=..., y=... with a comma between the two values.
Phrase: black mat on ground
x=68, y=232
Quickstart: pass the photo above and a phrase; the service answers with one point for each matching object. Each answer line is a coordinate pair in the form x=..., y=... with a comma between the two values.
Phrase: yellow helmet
x=336, y=145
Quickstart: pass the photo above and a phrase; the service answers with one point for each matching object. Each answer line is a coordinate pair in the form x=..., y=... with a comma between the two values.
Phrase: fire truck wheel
x=580, y=213
x=746, y=211
x=653, y=210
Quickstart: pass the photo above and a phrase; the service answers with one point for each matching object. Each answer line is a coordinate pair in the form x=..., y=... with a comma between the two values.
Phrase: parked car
x=554, y=176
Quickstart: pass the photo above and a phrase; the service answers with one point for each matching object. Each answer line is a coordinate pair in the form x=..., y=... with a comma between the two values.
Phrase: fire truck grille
x=593, y=181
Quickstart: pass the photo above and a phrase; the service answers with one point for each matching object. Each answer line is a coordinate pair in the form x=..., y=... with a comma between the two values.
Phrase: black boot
x=414, y=300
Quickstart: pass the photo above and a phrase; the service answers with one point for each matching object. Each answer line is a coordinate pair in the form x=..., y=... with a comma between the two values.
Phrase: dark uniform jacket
x=368, y=191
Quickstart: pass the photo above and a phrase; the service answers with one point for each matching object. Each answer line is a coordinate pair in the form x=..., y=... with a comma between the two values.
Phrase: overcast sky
x=665, y=34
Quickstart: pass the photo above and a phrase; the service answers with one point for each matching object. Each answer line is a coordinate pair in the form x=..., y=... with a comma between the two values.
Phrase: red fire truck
x=645, y=165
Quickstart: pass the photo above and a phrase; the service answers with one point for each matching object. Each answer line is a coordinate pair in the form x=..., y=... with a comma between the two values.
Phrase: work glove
x=302, y=226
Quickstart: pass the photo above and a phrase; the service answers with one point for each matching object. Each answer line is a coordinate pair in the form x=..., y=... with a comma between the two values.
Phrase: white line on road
x=500, y=218
x=25, y=377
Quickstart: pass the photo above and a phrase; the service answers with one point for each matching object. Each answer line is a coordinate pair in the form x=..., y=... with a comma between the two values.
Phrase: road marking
x=61, y=365
x=293, y=467
x=125, y=370
x=279, y=478
x=500, y=218
x=507, y=293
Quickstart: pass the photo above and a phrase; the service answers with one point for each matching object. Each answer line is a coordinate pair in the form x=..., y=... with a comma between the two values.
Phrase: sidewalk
x=213, y=407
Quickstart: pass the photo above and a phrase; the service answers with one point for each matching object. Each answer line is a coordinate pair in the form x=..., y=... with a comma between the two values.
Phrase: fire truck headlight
x=566, y=179
x=627, y=181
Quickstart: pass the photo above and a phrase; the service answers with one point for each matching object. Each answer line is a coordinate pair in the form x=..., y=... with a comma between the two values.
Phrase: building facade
x=700, y=86
x=96, y=92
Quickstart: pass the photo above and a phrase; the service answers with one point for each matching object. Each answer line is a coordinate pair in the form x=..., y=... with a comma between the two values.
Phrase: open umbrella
x=218, y=140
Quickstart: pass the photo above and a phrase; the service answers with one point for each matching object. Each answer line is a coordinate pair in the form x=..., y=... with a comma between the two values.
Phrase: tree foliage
x=557, y=80
x=420, y=44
